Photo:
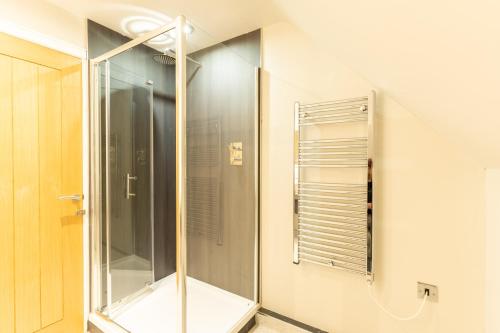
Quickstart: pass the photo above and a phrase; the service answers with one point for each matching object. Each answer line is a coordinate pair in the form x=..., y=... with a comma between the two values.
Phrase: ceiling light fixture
x=135, y=26
x=188, y=29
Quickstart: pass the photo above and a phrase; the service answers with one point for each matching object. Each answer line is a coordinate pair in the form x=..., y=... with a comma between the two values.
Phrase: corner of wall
x=492, y=251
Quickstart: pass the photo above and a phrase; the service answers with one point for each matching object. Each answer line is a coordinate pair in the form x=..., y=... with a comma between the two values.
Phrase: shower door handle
x=129, y=193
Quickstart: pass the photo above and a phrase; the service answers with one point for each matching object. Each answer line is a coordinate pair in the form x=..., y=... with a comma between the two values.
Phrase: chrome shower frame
x=96, y=171
x=96, y=219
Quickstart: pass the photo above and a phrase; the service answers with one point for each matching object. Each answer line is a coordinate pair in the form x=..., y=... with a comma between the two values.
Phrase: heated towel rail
x=333, y=214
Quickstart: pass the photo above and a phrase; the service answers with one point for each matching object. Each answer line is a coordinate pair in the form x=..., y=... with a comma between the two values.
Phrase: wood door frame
x=65, y=54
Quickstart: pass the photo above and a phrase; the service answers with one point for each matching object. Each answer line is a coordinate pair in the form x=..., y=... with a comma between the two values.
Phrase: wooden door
x=41, y=244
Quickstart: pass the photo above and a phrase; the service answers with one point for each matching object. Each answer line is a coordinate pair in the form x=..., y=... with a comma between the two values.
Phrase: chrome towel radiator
x=333, y=184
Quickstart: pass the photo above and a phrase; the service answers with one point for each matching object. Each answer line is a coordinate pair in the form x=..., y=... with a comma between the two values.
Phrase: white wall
x=429, y=217
x=492, y=250
x=43, y=23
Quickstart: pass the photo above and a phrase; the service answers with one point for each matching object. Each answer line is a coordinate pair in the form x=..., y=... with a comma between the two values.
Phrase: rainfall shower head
x=164, y=59
x=168, y=58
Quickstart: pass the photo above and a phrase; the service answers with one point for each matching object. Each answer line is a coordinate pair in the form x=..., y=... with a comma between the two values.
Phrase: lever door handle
x=72, y=197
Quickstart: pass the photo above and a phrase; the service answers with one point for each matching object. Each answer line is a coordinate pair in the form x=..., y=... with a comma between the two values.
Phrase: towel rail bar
x=333, y=221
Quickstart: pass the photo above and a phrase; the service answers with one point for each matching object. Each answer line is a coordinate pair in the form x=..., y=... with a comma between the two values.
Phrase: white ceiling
x=439, y=59
x=215, y=20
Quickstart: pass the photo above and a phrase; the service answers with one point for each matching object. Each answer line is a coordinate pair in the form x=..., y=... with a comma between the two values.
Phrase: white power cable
x=392, y=315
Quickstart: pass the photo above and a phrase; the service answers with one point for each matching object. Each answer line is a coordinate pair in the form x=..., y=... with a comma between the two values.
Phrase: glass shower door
x=129, y=192
x=133, y=182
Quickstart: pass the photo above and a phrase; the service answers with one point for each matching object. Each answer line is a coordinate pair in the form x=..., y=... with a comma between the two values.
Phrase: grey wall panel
x=221, y=109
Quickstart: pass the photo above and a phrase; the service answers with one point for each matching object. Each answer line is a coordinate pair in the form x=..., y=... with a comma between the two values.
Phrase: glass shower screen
x=129, y=165
x=134, y=101
x=175, y=181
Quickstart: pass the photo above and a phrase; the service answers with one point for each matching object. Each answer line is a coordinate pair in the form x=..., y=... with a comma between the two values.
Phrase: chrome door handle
x=72, y=197
x=129, y=193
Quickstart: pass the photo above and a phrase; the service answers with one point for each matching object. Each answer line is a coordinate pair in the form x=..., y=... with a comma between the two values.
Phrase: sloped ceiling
x=438, y=58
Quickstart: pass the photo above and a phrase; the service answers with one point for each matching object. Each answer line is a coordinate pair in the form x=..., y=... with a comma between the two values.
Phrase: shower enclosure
x=175, y=181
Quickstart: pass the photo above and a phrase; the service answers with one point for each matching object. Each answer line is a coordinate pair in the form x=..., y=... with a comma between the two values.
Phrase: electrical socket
x=431, y=290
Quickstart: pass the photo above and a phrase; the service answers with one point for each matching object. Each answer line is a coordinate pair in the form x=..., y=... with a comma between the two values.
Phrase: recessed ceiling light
x=138, y=27
x=188, y=29
x=135, y=26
